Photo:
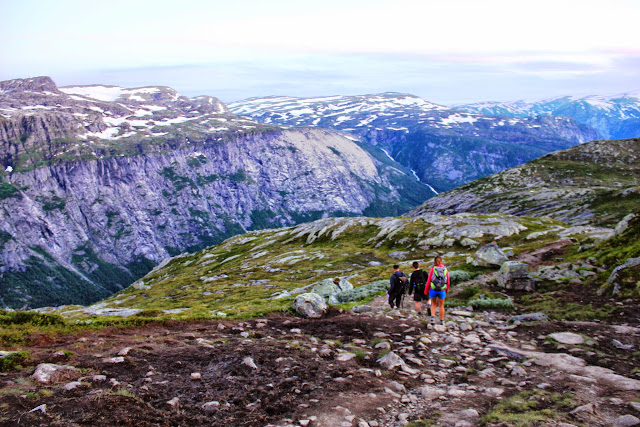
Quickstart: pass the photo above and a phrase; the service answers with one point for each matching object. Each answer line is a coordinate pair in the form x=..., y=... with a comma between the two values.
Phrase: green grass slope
x=262, y=271
x=595, y=183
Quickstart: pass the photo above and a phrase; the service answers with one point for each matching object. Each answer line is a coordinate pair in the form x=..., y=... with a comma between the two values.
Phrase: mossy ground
x=239, y=276
x=530, y=408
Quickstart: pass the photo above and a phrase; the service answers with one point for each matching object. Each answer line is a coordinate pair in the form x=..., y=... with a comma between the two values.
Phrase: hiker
x=396, y=287
x=418, y=282
x=438, y=284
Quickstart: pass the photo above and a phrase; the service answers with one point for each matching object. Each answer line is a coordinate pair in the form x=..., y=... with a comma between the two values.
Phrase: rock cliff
x=95, y=192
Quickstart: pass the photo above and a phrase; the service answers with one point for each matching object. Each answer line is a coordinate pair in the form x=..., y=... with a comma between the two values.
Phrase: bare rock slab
x=567, y=338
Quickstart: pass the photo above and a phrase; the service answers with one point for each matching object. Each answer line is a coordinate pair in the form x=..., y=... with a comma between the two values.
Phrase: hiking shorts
x=419, y=295
x=437, y=294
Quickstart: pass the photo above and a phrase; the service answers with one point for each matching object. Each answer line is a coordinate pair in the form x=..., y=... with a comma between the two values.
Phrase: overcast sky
x=448, y=51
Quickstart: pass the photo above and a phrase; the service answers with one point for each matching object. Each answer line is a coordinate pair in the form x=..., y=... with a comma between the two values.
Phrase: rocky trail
x=375, y=368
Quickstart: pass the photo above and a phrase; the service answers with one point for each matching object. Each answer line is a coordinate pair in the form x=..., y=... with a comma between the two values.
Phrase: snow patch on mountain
x=101, y=93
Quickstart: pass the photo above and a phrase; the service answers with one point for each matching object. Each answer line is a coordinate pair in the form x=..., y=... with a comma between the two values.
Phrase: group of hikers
x=431, y=287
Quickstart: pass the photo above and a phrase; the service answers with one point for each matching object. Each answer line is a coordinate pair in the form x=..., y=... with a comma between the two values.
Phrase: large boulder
x=310, y=305
x=614, y=277
x=329, y=287
x=515, y=275
x=51, y=373
x=529, y=317
x=490, y=255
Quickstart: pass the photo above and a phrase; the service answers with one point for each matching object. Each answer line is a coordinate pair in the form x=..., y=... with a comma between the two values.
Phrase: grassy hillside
x=615, y=252
x=262, y=271
x=595, y=183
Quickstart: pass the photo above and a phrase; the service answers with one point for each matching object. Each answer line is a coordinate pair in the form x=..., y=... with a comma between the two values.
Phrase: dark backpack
x=401, y=282
x=420, y=282
x=439, y=278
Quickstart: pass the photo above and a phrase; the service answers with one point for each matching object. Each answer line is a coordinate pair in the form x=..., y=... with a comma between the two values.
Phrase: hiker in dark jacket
x=416, y=284
x=396, y=287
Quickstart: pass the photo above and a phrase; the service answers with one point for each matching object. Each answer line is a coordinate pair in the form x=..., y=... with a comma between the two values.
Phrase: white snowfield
x=110, y=93
x=339, y=108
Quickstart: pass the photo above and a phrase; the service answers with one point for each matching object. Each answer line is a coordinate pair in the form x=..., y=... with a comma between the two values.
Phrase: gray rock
x=431, y=393
x=490, y=255
x=635, y=406
x=493, y=391
x=345, y=357
x=391, y=360
x=469, y=414
x=248, y=361
x=328, y=287
x=124, y=351
x=51, y=373
x=589, y=408
x=622, y=226
x=383, y=344
x=211, y=406
x=72, y=385
x=629, y=263
x=518, y=371
x=622, y=346
x=515, y=275
x=529, y=317
x=310, y=305
x=397, y=387
x=362, y=309
x=465, y=326
x=400, y=255
x=456, y=392
x=627, y=421
x=567, y=338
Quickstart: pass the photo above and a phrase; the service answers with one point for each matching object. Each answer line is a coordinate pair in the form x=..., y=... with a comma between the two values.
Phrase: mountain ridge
x=444, y=147
x=614, y=117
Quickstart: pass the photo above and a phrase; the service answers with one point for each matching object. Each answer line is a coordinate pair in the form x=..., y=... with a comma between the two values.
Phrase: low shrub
x=35, y=318
x=365, y=291
x=11, y=359
x=504, y=304
x=459, y=276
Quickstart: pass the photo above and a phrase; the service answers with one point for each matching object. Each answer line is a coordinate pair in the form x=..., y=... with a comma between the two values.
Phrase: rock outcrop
x=310, y=305
x=490, y=255
x=515, y=275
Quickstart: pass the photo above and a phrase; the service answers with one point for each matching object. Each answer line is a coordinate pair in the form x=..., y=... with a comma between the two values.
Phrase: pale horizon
x=447, y=53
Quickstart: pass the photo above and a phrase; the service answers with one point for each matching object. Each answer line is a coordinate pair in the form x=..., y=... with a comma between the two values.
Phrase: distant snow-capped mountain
x=614, y=117
x=445, y=147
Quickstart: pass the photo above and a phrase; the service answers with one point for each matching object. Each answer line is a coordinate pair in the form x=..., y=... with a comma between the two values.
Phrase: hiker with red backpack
x=397, y=287
x=438, y=284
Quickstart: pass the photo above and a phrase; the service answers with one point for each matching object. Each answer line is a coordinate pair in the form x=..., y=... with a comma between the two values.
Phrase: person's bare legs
x=418, y=308
x=433, y=307
x=441, y=304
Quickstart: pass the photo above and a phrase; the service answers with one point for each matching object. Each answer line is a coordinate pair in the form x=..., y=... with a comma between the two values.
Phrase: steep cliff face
x=444, y=147
x=84, y=217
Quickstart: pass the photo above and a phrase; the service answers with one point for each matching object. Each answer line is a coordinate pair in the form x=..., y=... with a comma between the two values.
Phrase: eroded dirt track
x=284, y=370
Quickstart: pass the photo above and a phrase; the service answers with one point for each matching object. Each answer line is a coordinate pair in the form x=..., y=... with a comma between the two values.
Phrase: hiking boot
x=442, y=322
x=433, y=320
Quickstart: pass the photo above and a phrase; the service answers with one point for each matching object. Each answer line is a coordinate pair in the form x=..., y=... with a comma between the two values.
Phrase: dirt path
x=284, y=370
